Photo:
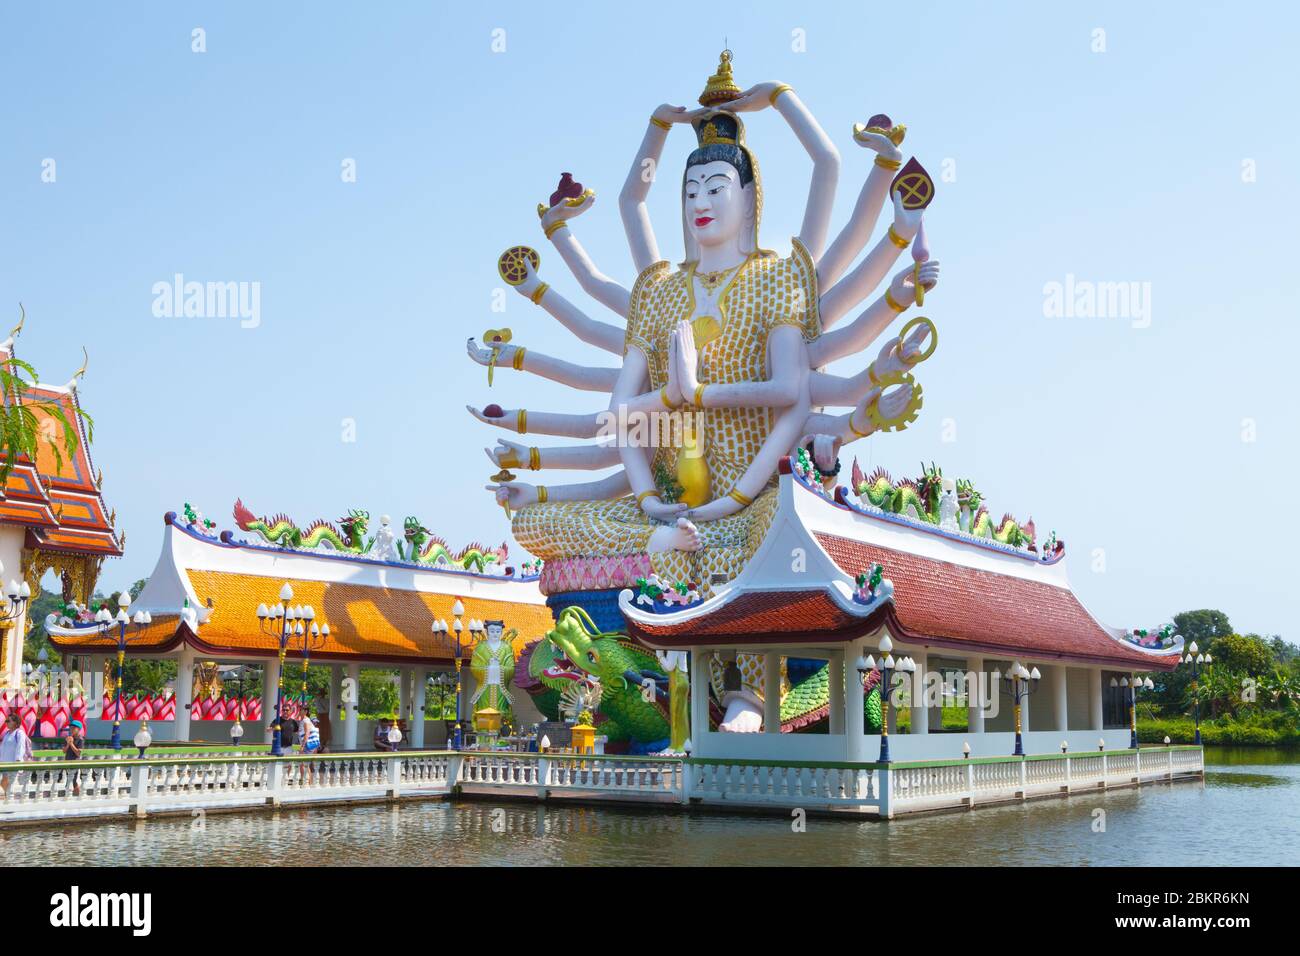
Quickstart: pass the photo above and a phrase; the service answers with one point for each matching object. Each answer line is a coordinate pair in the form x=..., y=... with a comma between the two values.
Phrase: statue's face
x=715, y=203
x=494, y=632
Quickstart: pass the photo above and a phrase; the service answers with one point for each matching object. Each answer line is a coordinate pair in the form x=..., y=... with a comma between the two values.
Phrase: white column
x=975, y=696
x=270, y=688
x=336, y=690
x=404, y=696
x=855, y=724
x=1094, y=698
x=699, y=697
x=350, y=707
x=835, y=676
x=920, y=712
x=1060, y=700
x=184, y=691
x=417, y=718
x=771, y=693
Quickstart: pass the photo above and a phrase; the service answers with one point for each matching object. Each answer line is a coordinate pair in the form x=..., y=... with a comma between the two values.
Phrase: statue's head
x=494, y=629
x=721, y=197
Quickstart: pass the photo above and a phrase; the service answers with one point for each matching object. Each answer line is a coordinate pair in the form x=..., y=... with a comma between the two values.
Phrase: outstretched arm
x=522, y=422
x=825, y=157
x=584, y=377
x=631, y=201
x=863, y=330
x=555, y=224
x=894, y=358
x=836, y=302
x=853, y=237
x=509, y=454
x=518, y=494
x=600, y=334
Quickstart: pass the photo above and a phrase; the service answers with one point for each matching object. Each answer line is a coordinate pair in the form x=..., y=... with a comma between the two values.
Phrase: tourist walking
x=15, y=747
x=73, y=744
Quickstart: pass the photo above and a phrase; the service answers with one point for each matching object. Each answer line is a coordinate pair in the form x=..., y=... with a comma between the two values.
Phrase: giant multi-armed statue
x=723, y=355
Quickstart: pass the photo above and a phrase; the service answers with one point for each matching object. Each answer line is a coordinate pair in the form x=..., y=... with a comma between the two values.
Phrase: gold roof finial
x=721, y=87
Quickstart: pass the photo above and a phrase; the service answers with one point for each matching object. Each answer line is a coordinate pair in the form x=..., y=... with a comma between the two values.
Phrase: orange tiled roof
x=160, y=635
x=365, y=621
x=56, y=496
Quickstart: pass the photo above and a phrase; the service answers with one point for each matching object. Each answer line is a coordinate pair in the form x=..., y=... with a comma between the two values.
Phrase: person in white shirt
x=15, y=747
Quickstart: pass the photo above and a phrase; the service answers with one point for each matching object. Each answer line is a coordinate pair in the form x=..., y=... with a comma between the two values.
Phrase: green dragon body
x=349, y=536
x=633, y=707
x=424, y=547
x=919, y=499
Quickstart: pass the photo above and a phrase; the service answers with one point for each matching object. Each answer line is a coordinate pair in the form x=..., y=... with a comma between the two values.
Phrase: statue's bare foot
x=682, y=536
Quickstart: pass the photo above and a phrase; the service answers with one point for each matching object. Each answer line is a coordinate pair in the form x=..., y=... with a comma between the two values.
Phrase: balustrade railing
x=89, y=788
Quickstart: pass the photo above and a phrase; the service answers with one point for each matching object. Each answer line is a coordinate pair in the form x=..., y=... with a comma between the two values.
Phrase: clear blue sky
x=1119, y=166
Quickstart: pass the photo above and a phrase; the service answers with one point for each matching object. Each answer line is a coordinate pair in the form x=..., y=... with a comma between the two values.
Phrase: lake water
x=1247, y=812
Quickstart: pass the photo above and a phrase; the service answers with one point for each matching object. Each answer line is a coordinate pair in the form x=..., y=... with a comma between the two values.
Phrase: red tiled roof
x=935, y=603
x=938, y=602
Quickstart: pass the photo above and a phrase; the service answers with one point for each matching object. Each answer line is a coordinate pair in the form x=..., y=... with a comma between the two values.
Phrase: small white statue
x=385, y=546
x=948, y=505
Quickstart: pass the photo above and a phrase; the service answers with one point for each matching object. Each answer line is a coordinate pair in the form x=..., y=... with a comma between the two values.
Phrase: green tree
x=1247, y=654
x=1202, y=626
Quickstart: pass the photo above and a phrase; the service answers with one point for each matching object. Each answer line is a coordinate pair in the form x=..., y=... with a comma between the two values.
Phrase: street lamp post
x=282, y=620
x=313, y=639
x=1196, y=660
x=105, y=619
x=887, y=667
x=1134, y=684
x=1023, y=682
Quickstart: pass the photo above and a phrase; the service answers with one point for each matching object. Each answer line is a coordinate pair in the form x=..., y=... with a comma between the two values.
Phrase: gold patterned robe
x=766, y=292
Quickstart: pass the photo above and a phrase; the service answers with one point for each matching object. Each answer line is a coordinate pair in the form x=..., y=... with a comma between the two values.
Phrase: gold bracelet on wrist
x=885, y=162
x=521, y=421
x=853, y=428
x=663, y=397
x=662, y=124
x=778, y=91
x=534, y=459
x=889, y=300
x=652, y=493
x=537, y=294
x=698, y=398
x=735, y=494
x=898, y=240
x=554, y=227
x=518, y=360
x=541, y=494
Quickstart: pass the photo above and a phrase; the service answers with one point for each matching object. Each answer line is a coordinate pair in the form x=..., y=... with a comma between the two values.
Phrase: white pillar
x=336, y=691
x=1094, y=698
x=417, y=718
x=835, y=676
x=771, y=693
x=920, y=712
x=699, y=696
x=270, y=688
x=855, y=723
x=404, y=696
x=350, y=707
x=184, y=691
x=975, y=696
x=1060, y=699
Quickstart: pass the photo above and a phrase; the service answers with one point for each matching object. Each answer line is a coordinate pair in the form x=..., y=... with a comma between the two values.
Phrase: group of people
x=16, y=747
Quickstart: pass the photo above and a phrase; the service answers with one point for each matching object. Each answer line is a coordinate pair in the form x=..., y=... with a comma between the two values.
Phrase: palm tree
x=23, y=416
